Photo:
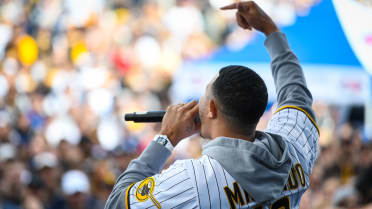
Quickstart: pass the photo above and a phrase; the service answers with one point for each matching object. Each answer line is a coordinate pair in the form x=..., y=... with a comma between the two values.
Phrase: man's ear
x=212, y=113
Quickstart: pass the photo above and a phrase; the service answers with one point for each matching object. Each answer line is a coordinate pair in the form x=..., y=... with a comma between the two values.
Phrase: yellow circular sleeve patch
x=145, y=191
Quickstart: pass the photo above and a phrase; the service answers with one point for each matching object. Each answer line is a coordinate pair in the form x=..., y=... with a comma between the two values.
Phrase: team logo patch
x=145, y=191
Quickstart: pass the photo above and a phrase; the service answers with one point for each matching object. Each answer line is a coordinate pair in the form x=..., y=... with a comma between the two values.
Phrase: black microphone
x=149, y=117
x=145, y=117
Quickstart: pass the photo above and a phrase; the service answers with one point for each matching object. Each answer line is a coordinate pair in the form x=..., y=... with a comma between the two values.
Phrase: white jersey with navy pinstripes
x=273, y=170
x=204, y=183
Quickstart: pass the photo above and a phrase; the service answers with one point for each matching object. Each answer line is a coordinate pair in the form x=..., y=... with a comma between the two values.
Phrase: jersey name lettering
x=296, y=177
x=237, y=196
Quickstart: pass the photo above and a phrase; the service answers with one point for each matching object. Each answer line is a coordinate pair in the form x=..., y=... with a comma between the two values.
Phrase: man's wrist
x=270, y=30
x=170, y=135
x=164, y=141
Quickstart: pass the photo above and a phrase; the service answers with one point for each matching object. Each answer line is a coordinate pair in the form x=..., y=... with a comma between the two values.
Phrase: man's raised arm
x=288, y=76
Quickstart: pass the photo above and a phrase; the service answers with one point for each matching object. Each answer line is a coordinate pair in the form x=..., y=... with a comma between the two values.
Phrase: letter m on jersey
x=235, y=196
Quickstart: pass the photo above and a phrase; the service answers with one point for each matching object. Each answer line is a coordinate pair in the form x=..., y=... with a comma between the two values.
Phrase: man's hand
x=250, y=15
x=178, y=122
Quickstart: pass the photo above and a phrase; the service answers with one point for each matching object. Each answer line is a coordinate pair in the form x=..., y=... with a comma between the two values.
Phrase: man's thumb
x=240, y=7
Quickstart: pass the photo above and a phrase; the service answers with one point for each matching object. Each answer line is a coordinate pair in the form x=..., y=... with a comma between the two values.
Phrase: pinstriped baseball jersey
x=204, y=183
x=302, y=134
x=270, y=172
x=172, y=188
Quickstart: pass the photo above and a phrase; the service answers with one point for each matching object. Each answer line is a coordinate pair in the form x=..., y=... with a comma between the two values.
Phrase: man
x=240, y=167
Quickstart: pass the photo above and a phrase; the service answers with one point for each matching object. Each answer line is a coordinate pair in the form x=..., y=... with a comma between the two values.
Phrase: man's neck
x=223, y=132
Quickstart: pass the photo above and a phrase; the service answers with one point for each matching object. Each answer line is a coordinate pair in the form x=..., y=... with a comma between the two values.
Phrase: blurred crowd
x=341, y=177
x=70, y=69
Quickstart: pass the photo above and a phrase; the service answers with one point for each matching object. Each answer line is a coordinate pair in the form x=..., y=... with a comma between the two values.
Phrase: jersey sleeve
x=289, y=79
x=295, y=119
x=172, y=188
x=297, y=127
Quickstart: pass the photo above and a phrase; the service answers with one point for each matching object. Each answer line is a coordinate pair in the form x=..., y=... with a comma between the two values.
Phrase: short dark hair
x=241, y=94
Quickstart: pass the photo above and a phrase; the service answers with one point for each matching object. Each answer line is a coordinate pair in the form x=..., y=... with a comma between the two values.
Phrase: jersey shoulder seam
x=302, y=110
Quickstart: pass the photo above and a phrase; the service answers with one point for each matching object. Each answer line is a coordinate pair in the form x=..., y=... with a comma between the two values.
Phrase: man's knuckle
x=172, y=108
x=188, y=115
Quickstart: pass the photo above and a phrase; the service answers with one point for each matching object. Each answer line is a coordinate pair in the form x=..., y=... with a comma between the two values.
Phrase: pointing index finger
x=231, y=6
x=235, y=5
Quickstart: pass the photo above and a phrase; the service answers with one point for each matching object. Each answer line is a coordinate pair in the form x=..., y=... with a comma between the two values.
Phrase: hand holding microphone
x=178, y=121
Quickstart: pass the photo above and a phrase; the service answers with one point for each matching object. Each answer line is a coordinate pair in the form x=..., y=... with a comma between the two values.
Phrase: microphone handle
x=150, y=117
x=145, y=117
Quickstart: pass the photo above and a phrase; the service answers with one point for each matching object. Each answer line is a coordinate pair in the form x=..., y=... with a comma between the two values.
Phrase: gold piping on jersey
x=126, y=200
x=302, y=110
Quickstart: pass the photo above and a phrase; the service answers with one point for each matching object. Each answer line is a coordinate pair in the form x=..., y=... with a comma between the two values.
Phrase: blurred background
x=70, y=69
